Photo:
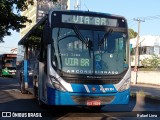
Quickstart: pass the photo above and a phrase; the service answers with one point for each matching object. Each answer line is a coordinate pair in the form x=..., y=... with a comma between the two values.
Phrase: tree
x=153, y=61
x=132, y=33
x=10, y=17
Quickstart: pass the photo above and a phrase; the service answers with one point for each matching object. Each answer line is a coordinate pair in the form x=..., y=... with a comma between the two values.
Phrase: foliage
x=132, y=33
x=10, y=17
x=153, y=61
x=35, y=37
x=145, y=62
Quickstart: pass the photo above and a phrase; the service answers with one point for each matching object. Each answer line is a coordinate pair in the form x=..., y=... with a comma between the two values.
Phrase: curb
x=147, y=96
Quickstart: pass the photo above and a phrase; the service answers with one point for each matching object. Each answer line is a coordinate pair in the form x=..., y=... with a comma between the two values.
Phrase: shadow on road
x=121, y=108
x=8, y=83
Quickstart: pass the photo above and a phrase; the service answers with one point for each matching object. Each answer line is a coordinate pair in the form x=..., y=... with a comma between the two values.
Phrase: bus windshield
x=10, y=62
x=89, y=51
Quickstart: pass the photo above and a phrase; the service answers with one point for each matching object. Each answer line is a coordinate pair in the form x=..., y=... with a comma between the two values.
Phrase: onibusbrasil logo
x=21, y=114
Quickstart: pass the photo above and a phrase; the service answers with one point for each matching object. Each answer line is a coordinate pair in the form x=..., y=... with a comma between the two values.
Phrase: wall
x=148, y=77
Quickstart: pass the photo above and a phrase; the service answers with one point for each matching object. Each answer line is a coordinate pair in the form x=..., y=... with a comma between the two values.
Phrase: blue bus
x=76, y=58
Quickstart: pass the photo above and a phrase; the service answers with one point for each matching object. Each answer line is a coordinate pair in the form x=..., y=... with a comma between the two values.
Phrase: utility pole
x=137, y=50
x=77, y=5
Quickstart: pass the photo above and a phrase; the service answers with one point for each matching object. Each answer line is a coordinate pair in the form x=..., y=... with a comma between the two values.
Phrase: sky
x=148, y=10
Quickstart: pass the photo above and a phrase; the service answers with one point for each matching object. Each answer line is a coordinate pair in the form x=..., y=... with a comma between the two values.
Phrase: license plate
x=93, y=102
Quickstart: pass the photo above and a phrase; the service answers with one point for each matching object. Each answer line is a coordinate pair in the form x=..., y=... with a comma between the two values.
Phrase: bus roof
x=23, y=39
x=86, y=12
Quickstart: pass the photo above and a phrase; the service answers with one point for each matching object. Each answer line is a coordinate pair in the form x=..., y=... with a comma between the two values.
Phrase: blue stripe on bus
x=93, y=88
x=55, y=97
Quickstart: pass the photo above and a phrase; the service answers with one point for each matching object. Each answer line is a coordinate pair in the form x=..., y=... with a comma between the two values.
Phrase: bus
x=8, y=64
x=76, y=58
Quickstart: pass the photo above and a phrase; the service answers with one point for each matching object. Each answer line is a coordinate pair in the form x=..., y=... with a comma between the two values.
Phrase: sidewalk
x=151, y=91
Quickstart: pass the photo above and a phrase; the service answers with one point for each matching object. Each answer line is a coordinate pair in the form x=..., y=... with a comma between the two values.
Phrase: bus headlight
x=56, y=84
x=125, y=86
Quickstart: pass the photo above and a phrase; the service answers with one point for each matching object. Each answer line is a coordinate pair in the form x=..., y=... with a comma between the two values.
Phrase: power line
x=150, y=17
x=155, y=17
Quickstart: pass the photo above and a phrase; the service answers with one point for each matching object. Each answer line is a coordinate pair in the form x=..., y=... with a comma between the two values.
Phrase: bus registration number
x=93, y=102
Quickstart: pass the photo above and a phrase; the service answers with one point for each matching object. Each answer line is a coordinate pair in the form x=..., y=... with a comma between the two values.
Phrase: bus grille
x=81, y=100
x=92, y=81
x=89, y=79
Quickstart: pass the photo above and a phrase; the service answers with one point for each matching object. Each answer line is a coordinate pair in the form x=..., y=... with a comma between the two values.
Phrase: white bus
x=76, y=58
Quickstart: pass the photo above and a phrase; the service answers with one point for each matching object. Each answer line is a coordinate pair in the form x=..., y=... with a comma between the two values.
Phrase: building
x=39, y=9
x=148, y=46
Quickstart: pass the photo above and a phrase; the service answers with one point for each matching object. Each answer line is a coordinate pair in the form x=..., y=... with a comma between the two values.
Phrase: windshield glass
x=10, y=62
x=79, y=51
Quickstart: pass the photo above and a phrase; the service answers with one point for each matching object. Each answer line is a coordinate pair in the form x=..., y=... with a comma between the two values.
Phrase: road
x=11, y=100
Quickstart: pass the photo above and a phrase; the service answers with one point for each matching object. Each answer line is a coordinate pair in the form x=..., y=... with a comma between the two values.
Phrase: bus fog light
x=56, y=84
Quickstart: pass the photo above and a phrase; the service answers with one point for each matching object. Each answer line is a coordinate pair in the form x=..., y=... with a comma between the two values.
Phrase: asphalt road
x=11, y=100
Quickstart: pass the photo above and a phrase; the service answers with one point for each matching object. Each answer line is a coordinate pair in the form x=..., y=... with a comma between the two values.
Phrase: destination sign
x=75, y=62
x=89, y=20
x=11, y=55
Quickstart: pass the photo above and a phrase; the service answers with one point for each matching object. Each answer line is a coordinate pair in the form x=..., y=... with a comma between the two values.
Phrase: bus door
x=43, y=76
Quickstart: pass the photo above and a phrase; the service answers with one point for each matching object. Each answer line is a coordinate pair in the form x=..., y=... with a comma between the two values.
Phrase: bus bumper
x=55, y=97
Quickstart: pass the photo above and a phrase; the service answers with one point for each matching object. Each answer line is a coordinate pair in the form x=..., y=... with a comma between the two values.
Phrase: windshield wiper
x=107, y=33
x=80, y=36
x=87, y=42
